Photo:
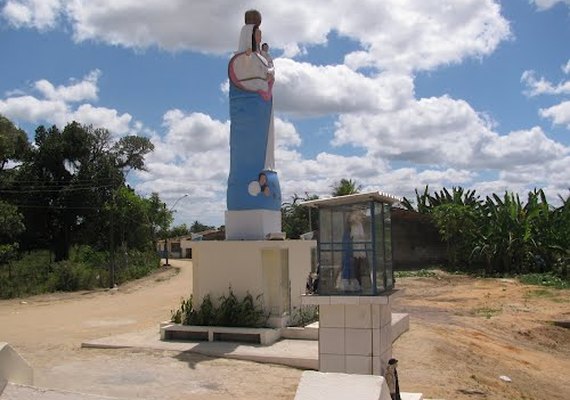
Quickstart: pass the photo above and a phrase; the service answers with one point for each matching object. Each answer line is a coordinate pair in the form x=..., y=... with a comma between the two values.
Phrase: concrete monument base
x=252, y=224
x=276, y=270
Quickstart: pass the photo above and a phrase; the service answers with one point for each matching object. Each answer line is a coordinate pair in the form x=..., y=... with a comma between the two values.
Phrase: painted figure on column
x=252, y=183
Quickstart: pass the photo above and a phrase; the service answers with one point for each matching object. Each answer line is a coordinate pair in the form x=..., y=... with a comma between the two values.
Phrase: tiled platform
x=290, y=352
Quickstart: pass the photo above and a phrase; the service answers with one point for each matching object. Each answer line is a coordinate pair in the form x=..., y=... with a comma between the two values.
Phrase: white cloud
x=445, y=132
x=547, y=4
x=194, y=133
x=413, y=35
x=540, y=86
x=433, y=131
x=39, y=14
x=31, y=109
x=306, y=89
x=560, y=114
x=54, y=106
x=529, y=147
x=397, y=34
x=286, y=135
x=566, y=68
x=100, y=117
x=84, y=90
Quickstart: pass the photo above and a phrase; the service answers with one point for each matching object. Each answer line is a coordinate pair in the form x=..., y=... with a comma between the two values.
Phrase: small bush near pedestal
x=231, y=311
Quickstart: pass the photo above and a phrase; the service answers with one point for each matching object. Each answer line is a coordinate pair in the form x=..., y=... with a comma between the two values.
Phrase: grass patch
x=550, y=294
x=422, y=273
x=546, y=279
x=486, y=312
x=539, y=293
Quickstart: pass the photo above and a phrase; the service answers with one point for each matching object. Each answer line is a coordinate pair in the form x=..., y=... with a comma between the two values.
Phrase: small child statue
x=392, y=379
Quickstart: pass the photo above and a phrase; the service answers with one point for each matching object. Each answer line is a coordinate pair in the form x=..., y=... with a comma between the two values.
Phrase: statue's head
x=252, y=17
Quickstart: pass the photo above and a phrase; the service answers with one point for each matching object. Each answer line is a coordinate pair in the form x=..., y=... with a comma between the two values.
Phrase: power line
x=69, y=188
x=66, y=207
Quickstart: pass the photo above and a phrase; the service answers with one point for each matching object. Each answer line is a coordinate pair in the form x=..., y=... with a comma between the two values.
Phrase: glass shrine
x=354, y=244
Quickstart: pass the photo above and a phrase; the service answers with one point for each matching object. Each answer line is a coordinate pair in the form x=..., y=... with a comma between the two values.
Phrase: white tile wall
x=386, y=339
x=331, y=316
x=331, y=341
x=358, y=316
x=358, y=365
x=384, y=357
x=381, y=315
x=332, y=363
x=376, y=343
x=386, y=315
x=358, y=341
x=345, y=299
x=376, y=366
x=354, y=337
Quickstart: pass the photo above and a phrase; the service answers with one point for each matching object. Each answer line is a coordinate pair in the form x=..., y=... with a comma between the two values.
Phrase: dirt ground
x=464, y=334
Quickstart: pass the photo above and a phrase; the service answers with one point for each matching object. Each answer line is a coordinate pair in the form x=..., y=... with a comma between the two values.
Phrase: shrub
x=35, y=272
x=546, y=279
x=231, y=311
x=67, y=276
x=304, y=315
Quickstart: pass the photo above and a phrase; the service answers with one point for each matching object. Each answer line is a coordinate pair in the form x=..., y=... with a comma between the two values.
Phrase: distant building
x=181, y=247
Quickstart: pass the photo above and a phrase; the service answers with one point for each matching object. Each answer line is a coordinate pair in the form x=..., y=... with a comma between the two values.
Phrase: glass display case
x=354, y=244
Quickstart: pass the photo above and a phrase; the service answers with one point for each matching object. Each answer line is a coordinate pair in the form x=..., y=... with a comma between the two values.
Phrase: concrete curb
x=13, y=367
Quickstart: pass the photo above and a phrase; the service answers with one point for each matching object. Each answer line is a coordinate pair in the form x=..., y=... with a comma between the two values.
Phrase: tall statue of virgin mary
x=254, y=194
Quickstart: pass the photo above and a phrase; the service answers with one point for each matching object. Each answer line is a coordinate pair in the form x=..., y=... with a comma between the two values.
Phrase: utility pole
x=166, y=264
x=112, y=245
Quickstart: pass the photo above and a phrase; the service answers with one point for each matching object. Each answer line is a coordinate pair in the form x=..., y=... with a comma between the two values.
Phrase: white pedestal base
x=355, y=333
x=275, y=269
x=252, y=224
x=317, y=385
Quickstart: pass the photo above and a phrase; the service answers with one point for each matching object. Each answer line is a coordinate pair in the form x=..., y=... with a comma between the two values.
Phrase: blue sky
x=394, y=94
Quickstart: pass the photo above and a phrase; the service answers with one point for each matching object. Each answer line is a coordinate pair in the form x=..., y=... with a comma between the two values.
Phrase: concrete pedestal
x=334, y=386
x=252, y=224
x=355, y=333
x=277, y=270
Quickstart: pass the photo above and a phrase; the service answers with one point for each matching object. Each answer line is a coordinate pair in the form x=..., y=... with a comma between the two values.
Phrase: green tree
x=68, y=180
x=13, y=143
x=298, y=219
x=179, y=230
x=159, y=217
x=425, y=203
x=197, y=226
x=11, y=226
x=561, y=238
x=457, y=225
x=345, y=187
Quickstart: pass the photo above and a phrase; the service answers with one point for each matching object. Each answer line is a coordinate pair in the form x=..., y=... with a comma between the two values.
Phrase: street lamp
x=166, y=264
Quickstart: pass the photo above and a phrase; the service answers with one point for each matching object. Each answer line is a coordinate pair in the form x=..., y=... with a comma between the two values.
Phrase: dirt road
x=465, y=333
x=48, y=330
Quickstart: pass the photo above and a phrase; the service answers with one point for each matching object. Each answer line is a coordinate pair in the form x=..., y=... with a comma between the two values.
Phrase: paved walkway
x=294, y=353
